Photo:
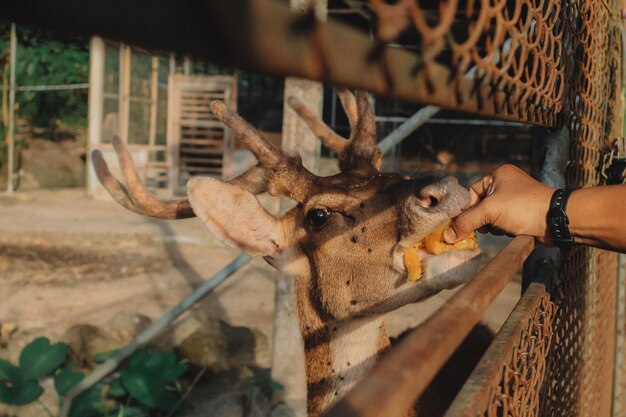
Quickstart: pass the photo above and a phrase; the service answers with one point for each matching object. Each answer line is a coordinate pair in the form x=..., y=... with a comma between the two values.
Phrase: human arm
x=508, y=201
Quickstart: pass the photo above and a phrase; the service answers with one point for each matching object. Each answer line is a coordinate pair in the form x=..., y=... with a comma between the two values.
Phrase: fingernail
x=449, y=235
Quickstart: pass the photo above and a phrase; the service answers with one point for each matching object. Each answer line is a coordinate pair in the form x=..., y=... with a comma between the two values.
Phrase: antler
x=284, y=175
x=359, y=152
x=134, y=195
x=276, y=173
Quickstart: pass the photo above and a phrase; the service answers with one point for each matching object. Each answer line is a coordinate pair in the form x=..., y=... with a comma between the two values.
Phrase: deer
x=342, y=242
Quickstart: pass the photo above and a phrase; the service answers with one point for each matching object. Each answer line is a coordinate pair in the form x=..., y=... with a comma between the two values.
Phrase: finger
x=480, y=189
x=465, y=223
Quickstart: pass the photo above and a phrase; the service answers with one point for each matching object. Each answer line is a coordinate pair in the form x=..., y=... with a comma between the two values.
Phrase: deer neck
x=337, y=353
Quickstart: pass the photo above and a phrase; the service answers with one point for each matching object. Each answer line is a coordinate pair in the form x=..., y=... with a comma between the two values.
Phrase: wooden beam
x=96, y=106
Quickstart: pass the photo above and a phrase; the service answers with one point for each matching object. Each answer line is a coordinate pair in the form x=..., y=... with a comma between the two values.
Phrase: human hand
x=507, y=201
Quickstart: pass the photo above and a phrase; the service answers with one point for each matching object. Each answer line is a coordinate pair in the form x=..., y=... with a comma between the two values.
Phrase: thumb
x=465, y=223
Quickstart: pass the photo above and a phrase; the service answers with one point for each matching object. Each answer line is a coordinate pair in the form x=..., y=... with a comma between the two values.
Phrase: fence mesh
x=541, y=62
x=499, y=58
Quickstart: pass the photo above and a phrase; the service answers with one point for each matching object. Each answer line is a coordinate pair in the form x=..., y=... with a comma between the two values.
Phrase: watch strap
x=558, y=221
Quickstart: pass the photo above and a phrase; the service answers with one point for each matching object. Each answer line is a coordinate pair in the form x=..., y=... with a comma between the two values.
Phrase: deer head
x=344, y=240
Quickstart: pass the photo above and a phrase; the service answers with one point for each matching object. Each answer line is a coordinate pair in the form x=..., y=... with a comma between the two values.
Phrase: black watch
x=558, y=221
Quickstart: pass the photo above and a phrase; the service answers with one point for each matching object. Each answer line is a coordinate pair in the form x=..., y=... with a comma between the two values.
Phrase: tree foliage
x=46, y=59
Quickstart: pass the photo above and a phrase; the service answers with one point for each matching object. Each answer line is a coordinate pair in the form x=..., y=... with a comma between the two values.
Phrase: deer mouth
x=449, y=256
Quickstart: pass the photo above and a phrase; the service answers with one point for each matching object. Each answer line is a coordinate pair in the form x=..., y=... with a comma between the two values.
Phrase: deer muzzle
x=443, y=196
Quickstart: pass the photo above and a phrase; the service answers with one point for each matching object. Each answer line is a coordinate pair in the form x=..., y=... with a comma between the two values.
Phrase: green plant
x=147, y=384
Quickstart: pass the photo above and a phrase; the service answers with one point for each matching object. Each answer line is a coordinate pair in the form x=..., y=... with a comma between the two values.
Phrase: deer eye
x=318, y=217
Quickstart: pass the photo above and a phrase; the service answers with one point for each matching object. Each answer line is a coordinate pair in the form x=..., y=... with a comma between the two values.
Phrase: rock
x=241, y=344
x=85, y=341
x=282, y=410
x=234, y=404
x=225, y=405
x=206, y=348
x=49, y=165
x=224, y=347
x=125, y=326
x=257, y=404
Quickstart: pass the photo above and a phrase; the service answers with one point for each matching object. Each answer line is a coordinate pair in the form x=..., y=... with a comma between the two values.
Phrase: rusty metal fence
x=544, y=62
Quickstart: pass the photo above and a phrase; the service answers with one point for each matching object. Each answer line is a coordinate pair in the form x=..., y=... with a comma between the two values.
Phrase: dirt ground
x=66, y=259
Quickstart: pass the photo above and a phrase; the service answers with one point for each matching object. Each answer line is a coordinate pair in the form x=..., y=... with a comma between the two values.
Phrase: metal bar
x=406, y=128
x=152, y=331
x=463, y=122
x=56, y=87
x=393, y=385
x=11, y=127
x=473, y=398
x=262, y=36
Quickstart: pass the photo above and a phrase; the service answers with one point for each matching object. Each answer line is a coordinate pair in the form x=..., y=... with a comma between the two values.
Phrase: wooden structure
x=161, y=113
x=197, y=142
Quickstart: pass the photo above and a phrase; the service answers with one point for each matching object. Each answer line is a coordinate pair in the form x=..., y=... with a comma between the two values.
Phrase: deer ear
x=235, y=216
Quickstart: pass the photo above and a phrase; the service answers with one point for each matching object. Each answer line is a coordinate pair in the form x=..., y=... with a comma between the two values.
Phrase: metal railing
x=399, y=378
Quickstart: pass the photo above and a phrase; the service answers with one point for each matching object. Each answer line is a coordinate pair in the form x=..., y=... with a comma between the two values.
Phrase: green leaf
x=276, y=386
x=101, y=357
x=39, y=358
x=87, y=404
x=24, y=393
x=160, y=366
x=9, y=372
x=116, y=389
x=166, y=400
x=66, y=379
x=140, y=387
x=14, y=388
x=173, y=372
x=133, y=412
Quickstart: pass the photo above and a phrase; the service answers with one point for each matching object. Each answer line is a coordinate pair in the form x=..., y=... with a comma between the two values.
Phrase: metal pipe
x=11, y=128
x=406, y=128
x=56, y=87
x=152, y=331
x=401, y=376
x=470, y=122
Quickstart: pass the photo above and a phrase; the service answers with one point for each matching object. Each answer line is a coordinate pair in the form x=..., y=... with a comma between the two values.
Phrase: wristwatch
x=558, y=221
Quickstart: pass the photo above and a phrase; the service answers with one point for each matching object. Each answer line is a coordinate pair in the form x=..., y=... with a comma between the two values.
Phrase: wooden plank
x=215, y=160
x=124, y=92
x=96, y=106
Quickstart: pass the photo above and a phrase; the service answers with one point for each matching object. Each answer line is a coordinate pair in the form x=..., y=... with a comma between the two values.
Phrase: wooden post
x=288, y=348
x=96, y=105
x=11, y=128
x=124, y=92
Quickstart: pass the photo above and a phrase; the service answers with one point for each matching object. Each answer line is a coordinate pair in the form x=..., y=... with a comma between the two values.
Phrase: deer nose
x=430, y=196
x=444, y=195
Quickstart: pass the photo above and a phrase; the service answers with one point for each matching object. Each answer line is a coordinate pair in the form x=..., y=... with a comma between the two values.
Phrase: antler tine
x=366, y=128
x=267, y=154
x=134, y=195
x=110, y=183
x=363, y=143
x=348, y=101
x=277, y=173
x=329, y=138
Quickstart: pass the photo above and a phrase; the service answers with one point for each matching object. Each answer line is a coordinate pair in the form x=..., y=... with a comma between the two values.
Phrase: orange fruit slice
x=434, y=245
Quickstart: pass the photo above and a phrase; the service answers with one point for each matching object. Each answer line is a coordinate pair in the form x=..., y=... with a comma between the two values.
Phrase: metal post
x=11, y=130
x=549, y=157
